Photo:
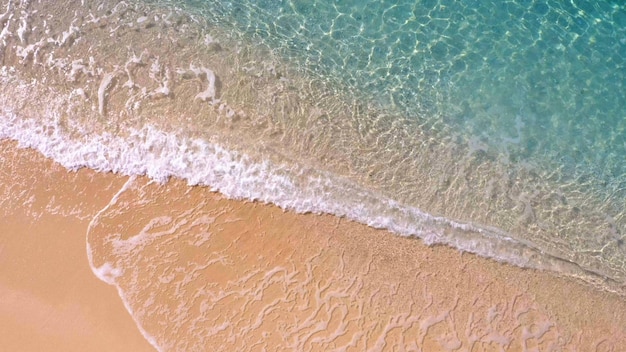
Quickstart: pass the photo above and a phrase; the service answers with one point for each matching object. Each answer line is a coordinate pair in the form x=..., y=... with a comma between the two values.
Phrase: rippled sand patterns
x=198, y=270
x=138, y=89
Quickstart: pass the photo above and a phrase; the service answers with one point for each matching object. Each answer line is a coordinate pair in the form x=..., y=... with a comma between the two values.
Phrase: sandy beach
x=216, y=274
x=100, y=261
x=49, y=298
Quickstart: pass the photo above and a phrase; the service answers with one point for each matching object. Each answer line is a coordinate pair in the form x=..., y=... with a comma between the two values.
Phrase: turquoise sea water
x=495, y=127
x=533, y=89
x=537, y=79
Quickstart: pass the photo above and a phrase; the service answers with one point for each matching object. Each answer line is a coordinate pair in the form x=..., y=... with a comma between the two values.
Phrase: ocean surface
x=496, y=127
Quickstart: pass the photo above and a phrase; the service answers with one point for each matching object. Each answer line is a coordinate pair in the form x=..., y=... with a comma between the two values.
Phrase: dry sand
x=49, y=298
x=204, y=273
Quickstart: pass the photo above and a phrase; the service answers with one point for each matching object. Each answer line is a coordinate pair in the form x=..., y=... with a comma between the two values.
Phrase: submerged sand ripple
x=109, y=71
x=199, y=272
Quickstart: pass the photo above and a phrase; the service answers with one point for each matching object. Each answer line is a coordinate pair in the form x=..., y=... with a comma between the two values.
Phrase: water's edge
x=136, y=116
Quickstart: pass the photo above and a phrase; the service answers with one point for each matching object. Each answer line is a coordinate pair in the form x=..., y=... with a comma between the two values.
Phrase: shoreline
x=49, y=298
x=195, y=269
x=436, y=296
x=213, y=111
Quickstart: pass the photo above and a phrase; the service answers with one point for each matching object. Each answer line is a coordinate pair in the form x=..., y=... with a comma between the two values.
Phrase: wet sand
x=201, y=272
x=49, y=298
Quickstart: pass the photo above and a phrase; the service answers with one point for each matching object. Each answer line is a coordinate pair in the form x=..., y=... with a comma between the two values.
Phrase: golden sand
x=49, y=298
x=198, y=272
x=204, y=273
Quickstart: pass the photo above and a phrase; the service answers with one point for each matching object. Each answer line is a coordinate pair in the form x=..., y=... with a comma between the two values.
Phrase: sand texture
x=200, y=272
x=49, y=298
x=189, y=269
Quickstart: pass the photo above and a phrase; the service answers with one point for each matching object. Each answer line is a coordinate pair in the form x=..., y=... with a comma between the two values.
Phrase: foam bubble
x=107, y=272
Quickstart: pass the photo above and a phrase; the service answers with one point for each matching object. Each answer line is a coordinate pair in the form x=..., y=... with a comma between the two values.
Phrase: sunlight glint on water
x=495, y=128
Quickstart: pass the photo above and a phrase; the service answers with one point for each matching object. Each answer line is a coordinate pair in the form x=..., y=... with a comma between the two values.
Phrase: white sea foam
x=109, y=273
x=159, y=155
x=97, y=86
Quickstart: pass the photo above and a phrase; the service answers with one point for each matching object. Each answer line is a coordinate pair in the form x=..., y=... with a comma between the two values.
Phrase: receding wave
x=165, y=94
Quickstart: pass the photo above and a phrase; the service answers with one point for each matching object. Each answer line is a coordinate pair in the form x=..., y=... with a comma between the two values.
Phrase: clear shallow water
x=495, y=128
x=526, y=81
x=535, y=87
x=533, y=79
